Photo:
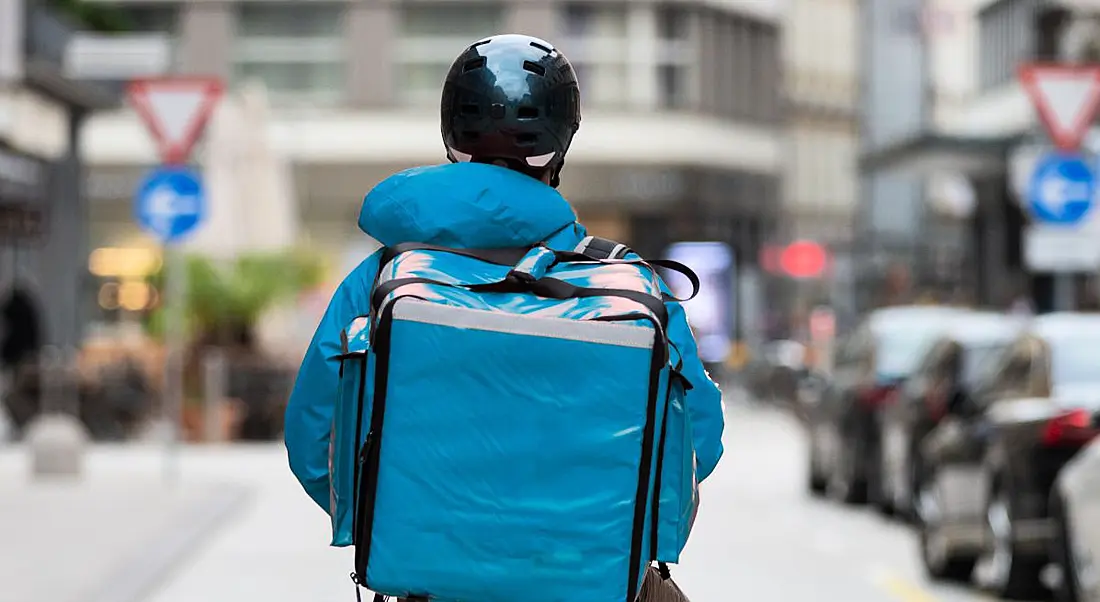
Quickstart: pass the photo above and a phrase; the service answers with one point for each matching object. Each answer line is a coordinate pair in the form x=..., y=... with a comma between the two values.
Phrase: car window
x=932, y=360
x=898, y=353
x=978, y=361
x=1004, y=374
x=1016, y=373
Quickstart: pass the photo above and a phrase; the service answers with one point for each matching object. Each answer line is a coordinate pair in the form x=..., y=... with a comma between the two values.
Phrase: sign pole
x=175, y=288
x=1064, y=292
x=170, y=203
x=1063, y=186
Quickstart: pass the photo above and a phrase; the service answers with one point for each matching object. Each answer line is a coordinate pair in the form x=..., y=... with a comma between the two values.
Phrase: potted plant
x=224, y=302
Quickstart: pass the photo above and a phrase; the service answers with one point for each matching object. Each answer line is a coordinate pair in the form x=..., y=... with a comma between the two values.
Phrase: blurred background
x=816, y=161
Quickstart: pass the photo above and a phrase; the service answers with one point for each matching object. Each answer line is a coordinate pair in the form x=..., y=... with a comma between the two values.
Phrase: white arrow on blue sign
x=1062, y=189
x=170, y=203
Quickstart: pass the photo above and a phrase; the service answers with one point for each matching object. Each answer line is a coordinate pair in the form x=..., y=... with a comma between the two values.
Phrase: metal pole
x=214, y=388
x=50, y=385
x=175, y=286
x=1064, y=292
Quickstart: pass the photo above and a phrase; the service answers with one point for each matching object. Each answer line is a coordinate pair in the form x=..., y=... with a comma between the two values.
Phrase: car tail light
x=878, y=396
x=937, y=407
x=1070, y=429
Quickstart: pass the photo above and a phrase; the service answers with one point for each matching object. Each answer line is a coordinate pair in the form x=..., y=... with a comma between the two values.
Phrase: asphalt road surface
x=758, y=538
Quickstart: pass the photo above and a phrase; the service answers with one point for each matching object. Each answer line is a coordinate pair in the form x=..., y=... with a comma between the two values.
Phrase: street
x=758, y=537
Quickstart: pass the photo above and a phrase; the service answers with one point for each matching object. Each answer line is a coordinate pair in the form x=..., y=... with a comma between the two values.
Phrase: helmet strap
x=555, y=179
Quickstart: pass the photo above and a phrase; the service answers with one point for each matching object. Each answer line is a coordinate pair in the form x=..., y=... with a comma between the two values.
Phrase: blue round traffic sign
x=170, y=203
x=1062, y=189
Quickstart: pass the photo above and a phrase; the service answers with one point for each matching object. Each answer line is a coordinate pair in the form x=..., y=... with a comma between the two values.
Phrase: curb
x=135, y=579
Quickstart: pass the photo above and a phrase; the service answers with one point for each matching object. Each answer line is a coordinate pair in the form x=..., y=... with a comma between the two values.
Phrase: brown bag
x=655, y=588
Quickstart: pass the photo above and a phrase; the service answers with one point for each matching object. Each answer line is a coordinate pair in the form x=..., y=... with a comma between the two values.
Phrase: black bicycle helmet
x=511, y=100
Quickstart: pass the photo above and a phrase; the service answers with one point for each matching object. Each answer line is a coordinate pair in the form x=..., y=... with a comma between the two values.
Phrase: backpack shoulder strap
x=601, y=248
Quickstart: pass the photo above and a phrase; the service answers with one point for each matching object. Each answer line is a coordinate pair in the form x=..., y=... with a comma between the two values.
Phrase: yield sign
x=175, y=111
x=1066, y=98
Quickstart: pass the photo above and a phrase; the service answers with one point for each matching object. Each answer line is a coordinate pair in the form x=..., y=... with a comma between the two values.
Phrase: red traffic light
x=804, y=259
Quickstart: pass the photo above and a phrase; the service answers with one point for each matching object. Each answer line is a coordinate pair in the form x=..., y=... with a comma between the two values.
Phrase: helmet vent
x=528, y=113
x=472, y=64
x=526, y=139
x=533, y=67
x=471, y=109
x=542, y=48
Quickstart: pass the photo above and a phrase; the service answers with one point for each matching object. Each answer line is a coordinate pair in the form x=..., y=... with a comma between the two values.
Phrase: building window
x=747, y=73
x=1006, y=32
x=673, y=23
x=595, y=40
x=154, y=19
x=675, y=57
x=1050, y=23
x=431, y=35
x=766, y=80
x=295, y=50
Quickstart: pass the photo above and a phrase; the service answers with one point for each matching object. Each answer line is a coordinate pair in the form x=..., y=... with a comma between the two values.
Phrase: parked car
x=869, y=366
x=811, y=386
x=772, y=376
x=984, y=500
x=1075, y=510
x=948, y=370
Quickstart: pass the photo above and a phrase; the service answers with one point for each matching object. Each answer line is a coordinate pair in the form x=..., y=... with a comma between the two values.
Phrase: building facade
x=821, y=93
x=680, y=136
x=947, y=120
x=43, y=209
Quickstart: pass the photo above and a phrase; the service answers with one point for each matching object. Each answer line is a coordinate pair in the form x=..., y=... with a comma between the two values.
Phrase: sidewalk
x=276, y=551
x=109, y=537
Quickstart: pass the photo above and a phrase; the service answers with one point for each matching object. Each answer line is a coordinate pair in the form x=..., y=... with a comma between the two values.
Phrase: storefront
x=23, y=211
x=43, y=212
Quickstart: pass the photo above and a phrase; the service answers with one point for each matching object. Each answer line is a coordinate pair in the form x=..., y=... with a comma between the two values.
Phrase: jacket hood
x=463, y=205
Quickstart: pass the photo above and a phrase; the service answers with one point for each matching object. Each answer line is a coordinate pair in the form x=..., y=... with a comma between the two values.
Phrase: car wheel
x=909, y=502
x=815, y=481
x=1063, y=553
x=845, y=484
x=877, y=491
x=940, y=561
x=1000, y=567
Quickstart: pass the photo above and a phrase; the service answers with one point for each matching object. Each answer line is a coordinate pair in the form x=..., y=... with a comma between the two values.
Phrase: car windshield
x=898, y=353
x=975, y=360
x=1075, y=360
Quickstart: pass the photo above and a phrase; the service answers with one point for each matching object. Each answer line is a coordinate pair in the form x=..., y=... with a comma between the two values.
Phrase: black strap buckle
x=518, y=277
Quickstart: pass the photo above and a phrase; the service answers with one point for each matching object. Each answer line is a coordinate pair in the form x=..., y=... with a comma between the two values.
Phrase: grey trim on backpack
x=605, y=333
x=617, y=252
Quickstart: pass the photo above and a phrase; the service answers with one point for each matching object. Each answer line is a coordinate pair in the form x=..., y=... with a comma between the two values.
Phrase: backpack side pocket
x=679, y=487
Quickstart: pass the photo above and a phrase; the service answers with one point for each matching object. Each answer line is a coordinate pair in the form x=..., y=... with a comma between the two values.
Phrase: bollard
x=56, y=439
x=214, y=392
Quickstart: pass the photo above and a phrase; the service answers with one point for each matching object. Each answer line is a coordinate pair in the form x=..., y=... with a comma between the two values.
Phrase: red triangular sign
x=175, y=111
x=1066, y=98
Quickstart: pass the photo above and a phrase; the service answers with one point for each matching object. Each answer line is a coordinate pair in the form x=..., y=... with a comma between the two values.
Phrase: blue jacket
x=464, y=205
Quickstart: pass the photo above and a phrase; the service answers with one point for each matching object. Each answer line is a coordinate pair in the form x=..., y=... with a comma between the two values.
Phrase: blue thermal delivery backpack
x=517, y=427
